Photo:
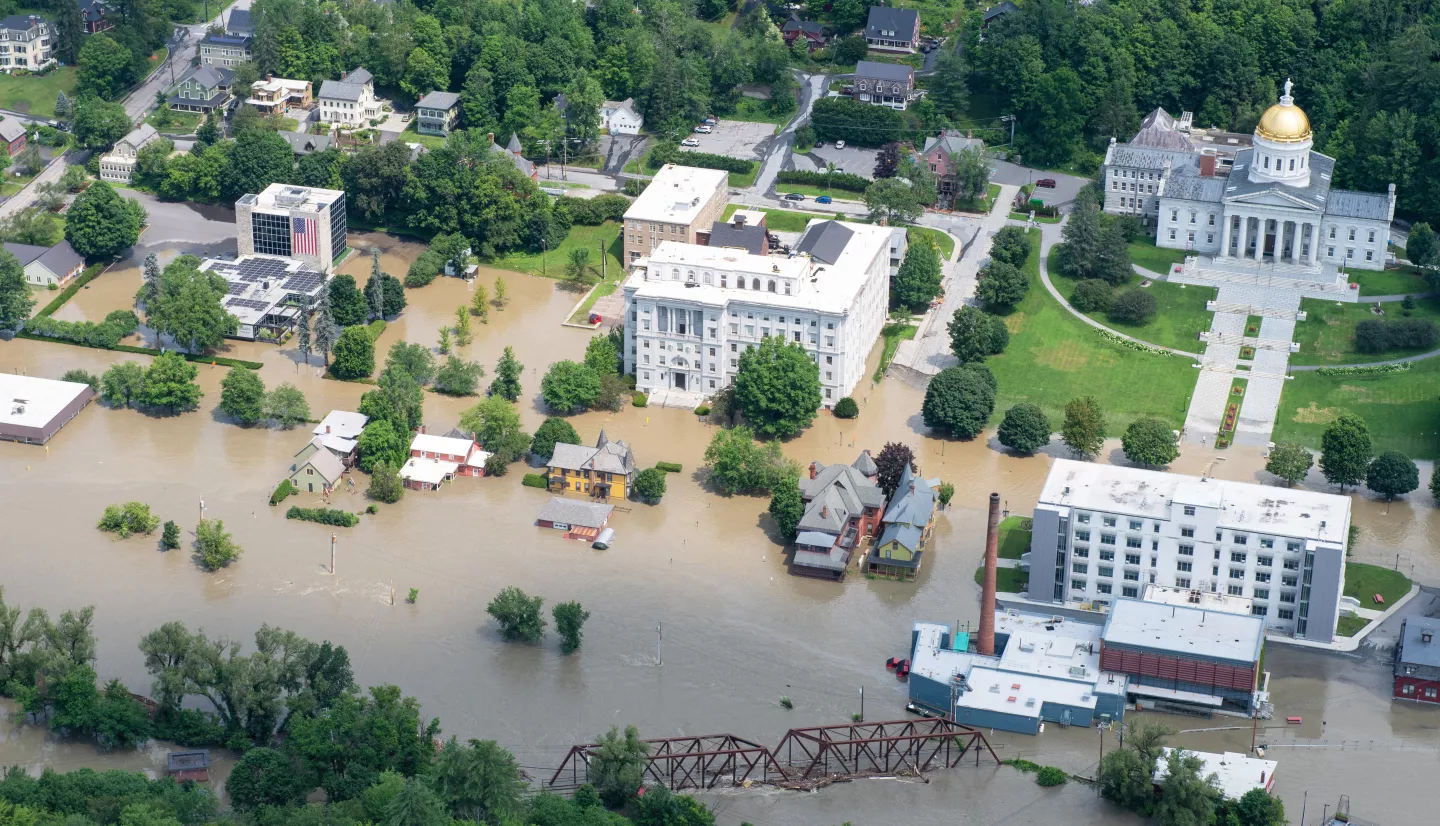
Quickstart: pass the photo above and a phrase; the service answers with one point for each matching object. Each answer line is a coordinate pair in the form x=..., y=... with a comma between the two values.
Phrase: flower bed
x=1131, y=344
x=1247, y=352
x=1364, y=370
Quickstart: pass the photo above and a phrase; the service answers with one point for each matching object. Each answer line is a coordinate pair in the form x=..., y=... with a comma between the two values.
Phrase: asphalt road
x=812, y=87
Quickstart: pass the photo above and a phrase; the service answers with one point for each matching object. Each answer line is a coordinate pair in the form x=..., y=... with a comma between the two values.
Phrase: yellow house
x=605, y=471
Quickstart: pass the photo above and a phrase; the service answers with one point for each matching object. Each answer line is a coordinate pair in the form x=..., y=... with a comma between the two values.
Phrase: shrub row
x=69, y=292
x=534, y=480
x=1364, y=370
x=426, y=267
x=592, y=212
x=283, y=490
x=835, y=180
x=1376, y=336
x=668, y=467
x=670, y=153
x=325, y=516
x=222, y=361
x=105, y=335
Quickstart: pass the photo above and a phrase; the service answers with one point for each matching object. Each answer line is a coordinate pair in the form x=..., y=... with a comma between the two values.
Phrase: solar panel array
x=235, y=287
x=248, y=303
x=260, y=269
x=304, y=281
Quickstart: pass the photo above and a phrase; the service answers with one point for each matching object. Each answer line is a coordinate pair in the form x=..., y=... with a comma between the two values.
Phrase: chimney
x=986, y=643
x=1207, y=166
x=422, y=430
x=739, y=220
x=813, y=471
x=327, y=428
x=1426, y=636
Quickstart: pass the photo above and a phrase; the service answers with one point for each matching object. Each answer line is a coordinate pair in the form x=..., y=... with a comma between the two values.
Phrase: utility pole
x=659, y=638
x=332, y=559
x=202, y=509
x=602, y=259
x=862, y=703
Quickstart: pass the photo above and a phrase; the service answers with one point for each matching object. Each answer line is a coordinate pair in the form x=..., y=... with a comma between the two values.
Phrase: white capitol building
x=1241, y=200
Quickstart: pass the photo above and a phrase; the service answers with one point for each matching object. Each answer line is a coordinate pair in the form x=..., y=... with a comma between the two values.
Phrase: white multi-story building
x=119, y=164
x=26, y=42
x=691, y=310
x=304, y=223
x=350, y=101
x=1104, y=532
x=679, y=203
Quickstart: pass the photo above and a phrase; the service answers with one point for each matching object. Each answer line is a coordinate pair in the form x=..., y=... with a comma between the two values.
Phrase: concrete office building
x=298, y=222
x=690, y=309
x=1103, y=532
x=680, y=202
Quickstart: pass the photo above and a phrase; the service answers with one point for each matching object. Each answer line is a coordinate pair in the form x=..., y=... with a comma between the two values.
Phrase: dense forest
x=1366, y=71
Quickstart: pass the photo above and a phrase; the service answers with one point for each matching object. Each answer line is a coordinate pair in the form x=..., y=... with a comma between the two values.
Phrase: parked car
x=710, y=120
x=690, y=142
x=1048, y=183
x=794, y=196
x=823, y=199
x=555, y=191
x=839, y=144
x=703, y=129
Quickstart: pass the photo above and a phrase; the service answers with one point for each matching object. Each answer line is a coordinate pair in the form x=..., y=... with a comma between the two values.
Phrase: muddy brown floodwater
x=739, y=632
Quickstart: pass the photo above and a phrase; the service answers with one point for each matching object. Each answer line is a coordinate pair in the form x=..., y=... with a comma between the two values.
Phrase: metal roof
x=439, y=100
x=1186, y=631
x=748, y=237
x=304, y=143
x=825, y=241
x=21, y=22
x=896, y=72
x=341, y=90
x=884, y=18
x=1413, y=650
x=998, y=10
x=808, y=26
x=1314, y=193
x=327, y=464
x=61, y=259
x=952, y=141
x=571, y=512
x=11, y=129
x=1347, y=203
x=209, y=77
x=1158, y=131
x=239, y=22
x=1195, y=188
x=1143, y=157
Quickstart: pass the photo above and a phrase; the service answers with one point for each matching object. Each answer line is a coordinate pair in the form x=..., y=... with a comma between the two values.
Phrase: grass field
x=893, y=333
x=1350, y=625
x=1404, y=280
x=1014, y=537
x=1054, y=357
x=779, y=220
x=427, y=141
x=1039, y=219
x=943, y=240
x=1008, y=580
x=1402, y=409
x=1179, y=318
x=552, y=264
x=1327, y=335
x=1364, y=581
x=34, y=94
x=1146, y=254
x=981, y=205
x=751, y=110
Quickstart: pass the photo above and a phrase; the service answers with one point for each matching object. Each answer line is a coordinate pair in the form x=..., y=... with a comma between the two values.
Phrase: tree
x=959, y=401
x=385, y=485
x=463, y=334
x=919, y=278
x=170, y=383
x=188, y=306
x=602, y=356
x=63, y=106
x=650, y=484
x=617, y=765
x=102, y=67
x=1024, y=429
x=132, y=517
x=893, y=200
x=258, y=158
x=374, y=289
x=1002, y=285
x=1289, y=461
x=972, y=175
x=496, y=426
x=502, y=293
x=264, y=777
x=209, y=132
x=121, y=721
x=1084, y=428
x=123, y=384
x=286, y=405
x=1422, y=247
x=569, y=617
x=411, y=359
x=1187, y=797
x=1257, y=808
x=569, y=386
x=1135, y=307
x=890, y=464
x=354, y=354
x=100, y=223
x=74, y=701
x=380, y=443
x=353, y=742
x=851, y=50
x=348, y=306
x=518, y=615
x=458, y=377
x=327, y=332
x=480, y=782
x=15, y=300
x=98, y=124
x=443, y=343
x=79, y=376
x=1126, y=774
x=1392, y=474
x=150, y=281
x=507, y=376
x=304, y=338
x=552, y=431
x=787, y=507
x=170, y=536
x=974, y=334
x=777, y=388
x=578, y=269
x=214, y=545
x=739, y=464
x=242, y=396
x=1345, y=451
x=480, y=304
x=1081, y=236
x=416, y=805
x=949, y=86
x=1149, y=441
x=887, y=160
x=1092, y=296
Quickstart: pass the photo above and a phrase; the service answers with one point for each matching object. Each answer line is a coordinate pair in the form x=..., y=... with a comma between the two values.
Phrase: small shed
x=188, y=765
x=579, y=520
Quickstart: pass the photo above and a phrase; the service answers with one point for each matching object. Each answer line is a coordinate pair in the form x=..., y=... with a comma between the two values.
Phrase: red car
x=1048, y=183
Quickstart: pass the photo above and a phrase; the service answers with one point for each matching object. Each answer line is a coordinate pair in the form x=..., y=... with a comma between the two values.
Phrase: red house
x=1417, y=660
x=435, y=460
x=795, y=28
x=12, y=133
x=843, y=507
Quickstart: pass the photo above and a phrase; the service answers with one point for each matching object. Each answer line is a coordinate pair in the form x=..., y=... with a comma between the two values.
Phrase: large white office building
x=690, y=310
x=1104, y=532
x=288, y=221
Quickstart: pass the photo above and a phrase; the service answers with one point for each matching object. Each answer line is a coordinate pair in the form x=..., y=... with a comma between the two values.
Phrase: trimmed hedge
x=325, y=516
x=702, y=410
x=1376, y=336
x=670, y=153
x=149, y=351
x=105, y=335
x=69, y=292
x=639, y=400
x=668, y=467
x=534, y=480
x=376, y=329
x=855, y=122
x=835, y=180
x=592, y=212
x=282, y=490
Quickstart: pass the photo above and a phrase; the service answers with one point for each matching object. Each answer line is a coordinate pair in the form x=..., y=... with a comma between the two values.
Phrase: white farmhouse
x=621, y=117
x=349, y=101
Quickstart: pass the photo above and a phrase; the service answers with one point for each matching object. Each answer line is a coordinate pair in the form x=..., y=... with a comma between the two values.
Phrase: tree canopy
x=100, y=223
x=777, y=387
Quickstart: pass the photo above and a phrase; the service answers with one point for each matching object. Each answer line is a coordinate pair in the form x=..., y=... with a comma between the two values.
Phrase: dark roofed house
x=93, y=15
x=238, y=23
x=224, y=49
x=941, y=155
x=892, y=30
x=842, y=508
x=796, y=28
x=306, y=143
x=202, y=89
x=996, y=12
x=1417, y=660
x=12, y=134
x=188, y=765
x=736, y=234
x=884, y=84
x=48, y=265
x=579, y=520
x=825, y=241
x=512, y=150
x=437, y=113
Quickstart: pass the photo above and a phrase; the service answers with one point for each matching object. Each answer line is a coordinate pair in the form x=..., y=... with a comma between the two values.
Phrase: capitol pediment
x=1278, y=198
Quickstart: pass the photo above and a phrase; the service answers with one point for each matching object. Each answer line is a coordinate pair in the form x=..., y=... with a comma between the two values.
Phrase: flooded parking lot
x=739, y=632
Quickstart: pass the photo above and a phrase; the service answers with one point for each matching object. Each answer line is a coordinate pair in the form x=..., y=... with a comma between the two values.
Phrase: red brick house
x=843, y=508
x=940, y=154
x=12, y=132
x=795, y=28
x=435, y=460
x=93, y=13
x=1417, y=660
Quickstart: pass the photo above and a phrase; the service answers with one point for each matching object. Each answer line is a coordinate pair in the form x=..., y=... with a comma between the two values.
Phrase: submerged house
x=579, y=520
x=438, y=459
x=907, y=525
x=842, y=507
x=605, y=471
x=317, y=470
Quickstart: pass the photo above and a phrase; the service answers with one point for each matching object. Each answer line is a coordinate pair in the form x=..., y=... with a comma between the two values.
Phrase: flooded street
x=739, y=631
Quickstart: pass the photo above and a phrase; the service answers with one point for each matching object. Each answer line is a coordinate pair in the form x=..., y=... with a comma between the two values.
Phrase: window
x=1349, y=252
x=1258, y=610
x=1109, y=521
x=1106, y=571
x=1107, y=539
x=1292, y=564
x=1352, y=234
x=1082, y=552
x=1187, y=531
x=1267, y=543
x=1083, y=519
x=1132, y=541
x=1330, y=252
x=1212, y=219
x=1264, y=561
x=1289, y=581
x=1137, y=525
x=1237, y=556
x=1079, y=568
x=1077, y=584
x=1130, y=592
x=1172, y=235
x=1293, y=547
x=1369, y=255
x=1183, y=566
x=1237, y=573
x=1240, y=539
x=1372, y=236
x=1133, y=576
x=1132, y=559
x=1187, y=550
x=1082, y=536
x=1102, y=587
x=1182, y=582
x=1285, y=614
x=1332, y=232
x=1236, y=590
x=1262, y=593
x=1107, y=556
x=1262, y=576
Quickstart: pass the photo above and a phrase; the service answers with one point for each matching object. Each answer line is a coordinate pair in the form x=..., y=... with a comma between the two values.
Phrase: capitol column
x=1225, y=234
x=1312, y=231
x=1244, y=229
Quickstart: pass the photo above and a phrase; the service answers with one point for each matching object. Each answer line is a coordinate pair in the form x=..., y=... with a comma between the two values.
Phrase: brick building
x=1417, y=660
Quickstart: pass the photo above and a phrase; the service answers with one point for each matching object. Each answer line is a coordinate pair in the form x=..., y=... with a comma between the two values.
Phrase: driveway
x=734, y=138
x=1066, y=186
x=619, y=150
x=185, y=224
x=777, y=154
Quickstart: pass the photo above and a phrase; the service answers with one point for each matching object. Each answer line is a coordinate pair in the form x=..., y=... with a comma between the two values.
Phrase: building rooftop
x=59, y=259
x=240, y=41
x=1347, y=203
x=343, y=423
x=239, y=22
x=1185, y=630
x=884, y=19
x=1235, y=774
x=438, y=100
x=1414, y=648
x=897, y=72
x=430, y=471
x=1315, y=192
x=21, y=22
x=951, y=141
x=1195, y=598
x=11, y=129
x=31, y=401
x=1052, y=648
x=277, y=85
x=261, y=285
x=1022, y=694
x=741, y=236
x=208, y=77
x=305, y=143
x=605, y=456
x=572, y=512
x=327, y=464
x=285, y=198
x=677, y=194
x=430, y=443
x=1301, y=514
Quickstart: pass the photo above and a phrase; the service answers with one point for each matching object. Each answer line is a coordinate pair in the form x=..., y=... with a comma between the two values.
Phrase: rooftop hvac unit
x=1029, y=702
x=1077, y=671
x=995, y=689
x=1010, y=699
x=1027, y=645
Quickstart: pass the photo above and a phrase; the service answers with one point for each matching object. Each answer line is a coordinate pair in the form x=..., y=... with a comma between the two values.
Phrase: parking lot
x=853, y=159
x=735, y=138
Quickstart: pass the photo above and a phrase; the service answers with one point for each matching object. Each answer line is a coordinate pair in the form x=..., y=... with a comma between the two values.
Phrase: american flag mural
x=303, y=238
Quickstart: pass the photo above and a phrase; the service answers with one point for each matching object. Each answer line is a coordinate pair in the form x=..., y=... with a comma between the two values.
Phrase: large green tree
x=1345, y=450
x=242, y=396
x=959, y=401
x=100, y=223
x=188, y=306
x=170, y=384
x=103, y=67
x=354, y=354
x=787, y=506
x=15, y=300
x=508, y=370
x=1289, y=461
x=569, y=386
x=551, y=431
x=479, y=781
x=918, y=280
x=1150, y=441
x=1392, y=474
x=1024, y=429
x=496, y=425
x=258, y=158
x=777, y=387
x=739, y=464
x=518, y=614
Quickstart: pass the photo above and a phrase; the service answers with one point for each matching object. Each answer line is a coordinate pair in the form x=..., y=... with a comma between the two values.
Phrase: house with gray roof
x=226, y=50
x=512, y=151
x=605, y=471
x=437, y=113
x=45, y=266
x=202, y=89
x=1417, y=660
x=884, y=84
x=842, y=509
x=12, y=134
x=579, y=520
x=239, y=23
x=892, y=30
x=739, y=235
x=941, y=154
x=350, y=101
x=118, y=164
x=307, y=143
x=907, y=525
x=316, y=470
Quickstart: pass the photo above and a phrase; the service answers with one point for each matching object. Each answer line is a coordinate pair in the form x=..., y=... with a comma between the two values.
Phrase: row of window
x=1106, y=588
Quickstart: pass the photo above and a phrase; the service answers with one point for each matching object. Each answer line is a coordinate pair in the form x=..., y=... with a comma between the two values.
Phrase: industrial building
x=1184, y=655
x=267, y=295
x=32, y=409
x=300, y=222
x=1103, y=532
x=1234, y=773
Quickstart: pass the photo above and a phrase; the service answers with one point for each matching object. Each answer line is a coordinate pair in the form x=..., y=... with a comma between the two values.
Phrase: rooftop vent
x=1426, y=635
x=1029, y=702
x=995, y=689
x=1010, y=699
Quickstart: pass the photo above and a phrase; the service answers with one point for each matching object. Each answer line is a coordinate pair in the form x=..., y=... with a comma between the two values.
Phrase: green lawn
x=1350, y=625
x=1054, y=357
x=915, y=61
x=1040, y=219
x=1364, y=581
x=816, y=191
x=178, y=122
x=1008, y=580
x=1146, y=254
x=779, y=220
x=1327, y=335
x=981, y=205
x=1402, y=409
x=427, y=141
x=552, y=263
x=944, y=241
x=601, y=290
x=35, y=94
x=1179, y=319
x=751, y=110
x=1014, y=537
x=1403, y=280
x=893, y=333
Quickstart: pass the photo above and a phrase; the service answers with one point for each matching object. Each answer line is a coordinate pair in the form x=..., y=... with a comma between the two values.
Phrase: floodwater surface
x=738, y=631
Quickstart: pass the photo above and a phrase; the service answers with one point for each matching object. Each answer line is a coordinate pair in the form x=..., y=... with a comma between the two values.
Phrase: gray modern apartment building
x=304, y=223
x=1102, y=533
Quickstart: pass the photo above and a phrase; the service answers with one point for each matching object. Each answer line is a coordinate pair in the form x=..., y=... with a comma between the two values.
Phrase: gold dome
x=1284, y=123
